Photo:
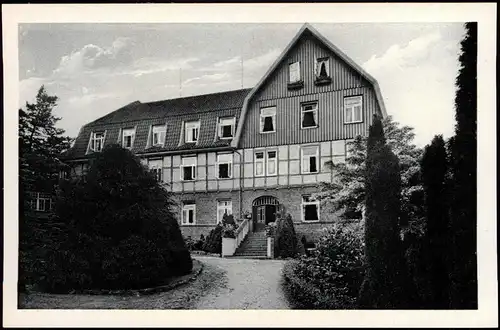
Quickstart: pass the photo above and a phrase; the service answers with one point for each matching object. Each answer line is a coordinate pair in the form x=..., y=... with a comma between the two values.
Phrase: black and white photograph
x=249, y=159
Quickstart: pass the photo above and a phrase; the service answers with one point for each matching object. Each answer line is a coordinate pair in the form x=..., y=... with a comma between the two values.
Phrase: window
x=192, y=131
x=259, y=164
x=159, y=132
x=128, y=136
x=40, y=202
x=226, y=128
x=322, y=68
x=310, y=209
x=310, y=115
x=97, y=141
x=188, y=213
x=271, y=163
x=156, y=170
x=224, y=207
x=294, y=72
x=188, y=168
x=267, y=119
x=352, y=109
x=224, y=162
x=310, y=159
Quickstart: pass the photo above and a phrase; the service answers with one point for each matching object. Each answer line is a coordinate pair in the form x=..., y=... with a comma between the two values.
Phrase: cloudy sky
x=96, y=68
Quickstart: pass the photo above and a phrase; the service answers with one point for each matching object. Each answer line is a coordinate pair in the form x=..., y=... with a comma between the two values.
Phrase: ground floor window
x=40, y=202
x=224, y=207
x=310, y=209
x=188, y=213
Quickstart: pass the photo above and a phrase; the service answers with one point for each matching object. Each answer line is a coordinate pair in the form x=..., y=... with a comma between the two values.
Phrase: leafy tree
x=286, y=237
x=386, y=283
x=434, y=175
x=464, y=176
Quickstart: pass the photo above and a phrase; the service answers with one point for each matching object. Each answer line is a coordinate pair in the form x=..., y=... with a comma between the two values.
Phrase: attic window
x=294, y=72
x=226, y=128
x=96, y=141
x=323, y=71
x=192, y=131
x=128, y=137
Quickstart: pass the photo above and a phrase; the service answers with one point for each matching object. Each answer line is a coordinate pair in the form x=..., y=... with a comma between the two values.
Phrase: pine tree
x=434, y=175
x=464, y=176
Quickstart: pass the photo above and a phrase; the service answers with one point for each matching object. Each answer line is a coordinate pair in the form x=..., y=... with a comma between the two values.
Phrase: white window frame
x=36, y=205
x=186, y=207
x=275, y=162
x=128, y=132
x=318, y=66
x=303, y=209
x=291, y=69
x=94, y=139
x=232, y=121
x=157, y=169
x=160, y=131
x=314, y=111
x=261, y=160
x=222, y=205
x=229, y=162
x=189, y=126
x=262, y=119
x=184, y=164
x=357, y=101
x=303, y=167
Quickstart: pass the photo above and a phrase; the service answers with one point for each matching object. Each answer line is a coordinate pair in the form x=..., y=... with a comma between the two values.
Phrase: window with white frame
x=294, y=72
x=271, y=162
x=224, y=166
x=188, y=213
x=159, y=133
x=226, y=128
x=224, y=207
x=259, y=163
x=96, y=141
x=309, y=115
x=310, y=209
x=268, y=120
x=322, y=68
x=155, y=166
x=310, y=159
x=128, y=137
x=40, y=202
x=353, y=109
x=192, y=131
x=188, y=168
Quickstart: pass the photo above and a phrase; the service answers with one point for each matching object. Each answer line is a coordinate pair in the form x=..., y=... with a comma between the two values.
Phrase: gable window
x=294, y=72
x=188, y=168
x=309, y=115
x=188, y=213
x=259, y=163
x=352, y=109
x=192, y=131
x=310, y=209
x=226, y=128
x=322, y=68
x=159, y=133
x=271, y=162
x=128, y=137
x=267, y=119
x=224, y=207
x=224, y=164
x=96, y=141
x=310, y=159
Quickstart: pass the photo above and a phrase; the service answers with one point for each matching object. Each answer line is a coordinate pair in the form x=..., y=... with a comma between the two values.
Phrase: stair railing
x=242, y=232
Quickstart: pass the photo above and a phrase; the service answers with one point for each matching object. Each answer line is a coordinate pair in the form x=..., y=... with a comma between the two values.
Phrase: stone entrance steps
x=255, y=245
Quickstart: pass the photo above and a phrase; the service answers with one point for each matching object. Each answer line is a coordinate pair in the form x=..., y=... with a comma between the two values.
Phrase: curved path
x=249, y=284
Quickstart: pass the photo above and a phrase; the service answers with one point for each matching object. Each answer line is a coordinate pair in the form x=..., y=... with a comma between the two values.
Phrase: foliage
x=117, y=229
x=286, y=238
x=213, y=244
x=271, y=229
x=386, y=283
x=229, y=226
x=195, y=245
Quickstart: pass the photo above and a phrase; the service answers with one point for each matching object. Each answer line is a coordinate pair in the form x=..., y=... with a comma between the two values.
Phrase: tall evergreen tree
x=386, y=284
x=463, y=163
x=434, y=175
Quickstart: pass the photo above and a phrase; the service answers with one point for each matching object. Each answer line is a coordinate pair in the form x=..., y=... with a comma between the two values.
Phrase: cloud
x=264, y=60
x=229, y=62
x=146, y=66
x=206, y=78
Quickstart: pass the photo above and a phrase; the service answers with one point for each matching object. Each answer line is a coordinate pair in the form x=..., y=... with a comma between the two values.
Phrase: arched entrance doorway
x=264, y=211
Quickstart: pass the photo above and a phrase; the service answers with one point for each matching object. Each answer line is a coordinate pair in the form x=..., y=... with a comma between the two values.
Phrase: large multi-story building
x=244, y=152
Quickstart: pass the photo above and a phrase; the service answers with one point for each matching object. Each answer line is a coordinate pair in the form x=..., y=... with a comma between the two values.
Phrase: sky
x=96, y=68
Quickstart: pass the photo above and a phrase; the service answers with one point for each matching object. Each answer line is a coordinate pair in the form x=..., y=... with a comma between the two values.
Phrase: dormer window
x=226, y=128
x=128, y=137
x=96, y=141
x=192, y=129
x=159, y=132
x=268, y=120
x=323, y=71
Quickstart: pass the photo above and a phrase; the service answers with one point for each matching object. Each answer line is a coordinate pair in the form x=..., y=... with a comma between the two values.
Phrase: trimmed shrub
x=213, y=244
x=286, y=238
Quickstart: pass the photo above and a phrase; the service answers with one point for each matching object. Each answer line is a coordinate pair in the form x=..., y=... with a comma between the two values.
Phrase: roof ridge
x=199, y=95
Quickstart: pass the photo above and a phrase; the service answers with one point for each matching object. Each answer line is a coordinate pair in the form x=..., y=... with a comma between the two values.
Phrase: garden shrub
x=286, y=238
x=213, y=244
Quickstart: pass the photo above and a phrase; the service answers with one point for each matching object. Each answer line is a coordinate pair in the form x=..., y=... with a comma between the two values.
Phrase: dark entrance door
x=264, y=211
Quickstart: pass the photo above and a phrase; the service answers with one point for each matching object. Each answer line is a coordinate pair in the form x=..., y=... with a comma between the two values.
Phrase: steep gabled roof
x=306, y=28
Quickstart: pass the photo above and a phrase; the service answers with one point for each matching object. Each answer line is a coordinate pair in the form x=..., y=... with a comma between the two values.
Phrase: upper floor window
x=224, y=165
x=188, y=213
x=128, y=137
x=353, y=109
x=268, y=120
x=226, y=128
x=309, y=115
x=271, y=162
x=259, y=163
x=322, y=68
x=159, y=133
x=192, y=131
x=97, y=141
x=224, y=207
x=310, y=209
x=310, y=159
x=188, y=168
x=294, y=72
x=156, y=169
